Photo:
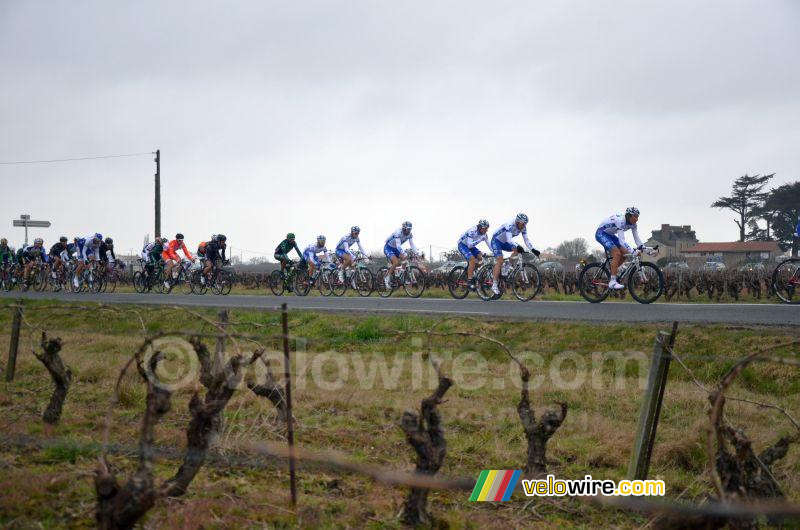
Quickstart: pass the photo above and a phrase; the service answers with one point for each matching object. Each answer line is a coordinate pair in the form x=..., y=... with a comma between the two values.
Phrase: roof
x=736, y=246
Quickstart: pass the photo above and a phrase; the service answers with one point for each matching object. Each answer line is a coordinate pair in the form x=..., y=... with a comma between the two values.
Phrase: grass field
x=51, y=483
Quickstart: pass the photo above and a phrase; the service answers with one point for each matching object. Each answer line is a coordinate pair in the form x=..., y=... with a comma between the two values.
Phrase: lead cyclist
x=611, y=234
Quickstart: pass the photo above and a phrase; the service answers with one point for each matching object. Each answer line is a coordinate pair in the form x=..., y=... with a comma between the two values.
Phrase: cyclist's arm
x=527, y=241
x=186, y=252
x=636, y=238
x=412, y=245
x=296, y=249
x=361, y=248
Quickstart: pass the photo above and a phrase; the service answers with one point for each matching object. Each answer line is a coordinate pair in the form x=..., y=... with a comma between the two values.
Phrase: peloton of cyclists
x=502, y=240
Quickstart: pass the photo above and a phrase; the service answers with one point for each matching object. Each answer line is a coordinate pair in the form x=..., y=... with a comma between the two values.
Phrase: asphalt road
x=744, y=314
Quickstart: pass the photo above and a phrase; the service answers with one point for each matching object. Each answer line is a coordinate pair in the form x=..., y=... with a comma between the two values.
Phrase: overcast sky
x=312, y=116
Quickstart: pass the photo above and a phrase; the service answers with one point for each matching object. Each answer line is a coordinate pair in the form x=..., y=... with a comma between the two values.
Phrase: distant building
x=672, y=240
x=734, y=253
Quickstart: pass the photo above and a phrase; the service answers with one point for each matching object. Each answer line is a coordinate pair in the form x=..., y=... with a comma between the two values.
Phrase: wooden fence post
x=14, y=346
x=289, y=418
x=650, y=410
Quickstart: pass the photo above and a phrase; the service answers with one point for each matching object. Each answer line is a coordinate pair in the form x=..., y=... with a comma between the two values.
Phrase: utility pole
x=158, y=192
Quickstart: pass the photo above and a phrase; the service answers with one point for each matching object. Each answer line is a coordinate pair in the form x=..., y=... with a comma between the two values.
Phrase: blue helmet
x=98, y=236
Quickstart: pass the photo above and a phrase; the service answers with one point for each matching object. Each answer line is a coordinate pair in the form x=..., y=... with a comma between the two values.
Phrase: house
x=734, y=253
x=672, y=240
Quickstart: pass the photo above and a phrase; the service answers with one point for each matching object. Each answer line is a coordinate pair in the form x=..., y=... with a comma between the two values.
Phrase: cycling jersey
x=283, y=249
x=171, y=252
x=502, y=238
x=611, y=233
x=472, y=237
x=104, y=250
x=6, y=255
x=344, y=245
x=397, y=239
x=88, y=247
x=201, y=248
x=215, y=251
x=312, y=250
x=33, y=252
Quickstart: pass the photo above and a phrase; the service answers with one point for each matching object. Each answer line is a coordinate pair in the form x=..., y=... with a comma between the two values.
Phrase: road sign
x=25, y=222
x=32, y=224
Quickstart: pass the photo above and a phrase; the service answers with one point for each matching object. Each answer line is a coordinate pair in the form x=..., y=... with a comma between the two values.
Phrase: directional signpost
x=25, y=221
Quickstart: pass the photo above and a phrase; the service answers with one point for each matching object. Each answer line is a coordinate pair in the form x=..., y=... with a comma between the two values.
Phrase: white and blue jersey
x=611, y=233
x=502, y=239
x=343, y=247
x=468, y=242
x=394, y=243
x=313, y=250
x=87, y=247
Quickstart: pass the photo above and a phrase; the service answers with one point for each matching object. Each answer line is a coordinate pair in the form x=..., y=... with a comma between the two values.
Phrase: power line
x=73, y=159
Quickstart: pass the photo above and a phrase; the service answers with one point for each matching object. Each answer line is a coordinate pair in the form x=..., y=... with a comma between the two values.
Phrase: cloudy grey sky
x=315, y=115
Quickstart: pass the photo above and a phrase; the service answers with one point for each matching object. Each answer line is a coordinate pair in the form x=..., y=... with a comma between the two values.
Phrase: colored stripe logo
x=495, y=485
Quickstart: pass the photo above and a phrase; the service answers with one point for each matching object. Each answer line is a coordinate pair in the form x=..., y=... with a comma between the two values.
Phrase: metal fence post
x=14, y=346
x=650, y=410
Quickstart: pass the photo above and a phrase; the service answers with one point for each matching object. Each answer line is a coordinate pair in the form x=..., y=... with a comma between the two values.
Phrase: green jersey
x=286, y=246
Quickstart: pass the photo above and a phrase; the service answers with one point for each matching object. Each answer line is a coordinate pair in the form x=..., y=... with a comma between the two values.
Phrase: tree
x=745, y=200
x=784, y=201
x=573, y=248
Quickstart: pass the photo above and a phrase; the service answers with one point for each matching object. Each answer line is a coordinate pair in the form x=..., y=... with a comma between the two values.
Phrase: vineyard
x=114, y=416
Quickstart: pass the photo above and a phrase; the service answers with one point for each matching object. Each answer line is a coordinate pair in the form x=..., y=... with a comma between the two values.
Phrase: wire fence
x=725, y=503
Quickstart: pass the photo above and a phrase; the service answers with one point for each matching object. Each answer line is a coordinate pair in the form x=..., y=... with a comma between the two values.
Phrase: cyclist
x=201, y=248
x=87, y=249
x=33, y=254
x=56, y=252
x=468, y=246
x=151, y=254
x=393, y=249
x=6, y=254
x=283, y=249
x=170, y=256
x=312, y=251
x=106, y=248
x=502, y=240
x=215, y=255
x=611, y=234
x=343, y=250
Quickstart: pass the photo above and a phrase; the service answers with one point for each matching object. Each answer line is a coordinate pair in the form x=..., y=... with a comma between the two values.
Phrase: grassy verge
x=51, y=484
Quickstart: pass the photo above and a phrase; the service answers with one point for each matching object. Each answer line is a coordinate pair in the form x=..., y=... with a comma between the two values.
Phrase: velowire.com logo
x=495, y=485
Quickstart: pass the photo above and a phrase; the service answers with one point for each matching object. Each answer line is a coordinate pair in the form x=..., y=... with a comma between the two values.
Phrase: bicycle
x=37, y=276
x=523, y=278
x=58, y=279
x=644, y=280
x=358, y=277
x=181, y=277
x=786, y=281
x=280, y=281
x=109, y=274
x=322, y=278
x=220, y=282
x=88, y=281
x=8, y=277
x=457, y=282
x=144, y=281
x=406, y=275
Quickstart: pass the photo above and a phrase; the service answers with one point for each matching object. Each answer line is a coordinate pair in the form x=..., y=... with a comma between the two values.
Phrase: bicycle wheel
x=483, y=284
x=457, y=282
x=380, y=283
x=338, y=285
x=593, y=282
x=786, y=281
x=323, y=282
x=187, y=281
x=525, y=282
x=110, y=285
x=139, y=282
x=647, y=283
x=276, y=284
x=225, y=282
x=95, y=283
x=365, y=283
x=414, y=281
x=302, y=283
